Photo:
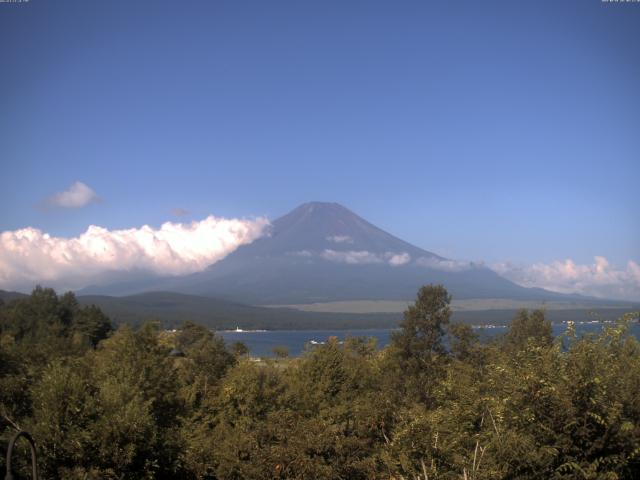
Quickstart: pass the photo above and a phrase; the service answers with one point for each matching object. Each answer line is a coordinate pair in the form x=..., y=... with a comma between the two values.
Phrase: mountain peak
x=320, y=208
x=325, y=216
x=317, y=204
x=321, y=226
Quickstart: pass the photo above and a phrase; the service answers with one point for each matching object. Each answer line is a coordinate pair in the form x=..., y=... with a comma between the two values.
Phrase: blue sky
x=494, y=130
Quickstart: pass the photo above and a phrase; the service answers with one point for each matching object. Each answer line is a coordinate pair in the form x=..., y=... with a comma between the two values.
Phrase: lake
x=261, y=343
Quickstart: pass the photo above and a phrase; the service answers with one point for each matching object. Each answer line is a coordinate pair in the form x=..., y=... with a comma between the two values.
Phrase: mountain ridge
x=323, y=252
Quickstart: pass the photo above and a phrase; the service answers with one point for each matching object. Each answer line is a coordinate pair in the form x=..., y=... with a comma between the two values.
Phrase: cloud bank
x=76, y=196
x=29, y=256
x=363, y=257
x=599, y=279
x=397, y=259
x=444, y=264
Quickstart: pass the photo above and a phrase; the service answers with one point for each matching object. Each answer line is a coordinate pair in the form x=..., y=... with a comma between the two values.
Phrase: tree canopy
x=132, y=403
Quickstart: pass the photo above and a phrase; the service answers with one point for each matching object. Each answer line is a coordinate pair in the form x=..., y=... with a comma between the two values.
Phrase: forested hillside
x=172, y=309
x=143, y=402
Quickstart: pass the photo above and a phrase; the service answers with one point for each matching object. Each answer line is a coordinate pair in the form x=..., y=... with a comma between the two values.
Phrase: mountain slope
x=324, y=252
x=7, y=296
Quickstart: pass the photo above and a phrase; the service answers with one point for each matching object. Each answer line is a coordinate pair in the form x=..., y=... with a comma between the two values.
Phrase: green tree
x=464, y=342
x=423, y=326
x=418, y=346
x=43, y=326
x=239, y=349
x=90, y=325
x=137, y=389
x=528, y=327
x=206, y=360
x=66, y=410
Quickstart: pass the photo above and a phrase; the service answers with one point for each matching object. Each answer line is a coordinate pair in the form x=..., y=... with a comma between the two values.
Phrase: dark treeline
x=146, y=403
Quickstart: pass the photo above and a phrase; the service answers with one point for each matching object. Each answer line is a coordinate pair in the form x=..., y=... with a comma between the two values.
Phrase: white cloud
x=352, y=257
x=28, y=256
x=399, y=259
x=444, y=264
x=363, y=257
x=340, y=239
x=599, y=279
x=76, y=196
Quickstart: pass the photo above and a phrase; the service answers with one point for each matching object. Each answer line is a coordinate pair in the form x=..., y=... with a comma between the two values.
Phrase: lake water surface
x=261, y=343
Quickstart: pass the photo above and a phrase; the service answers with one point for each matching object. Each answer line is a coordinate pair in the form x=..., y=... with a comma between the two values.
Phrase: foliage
x=527, y=328
x=418, y=346
x=436, y=403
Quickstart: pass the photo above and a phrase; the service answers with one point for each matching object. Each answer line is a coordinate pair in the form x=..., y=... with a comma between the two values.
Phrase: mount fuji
x=323, y=252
